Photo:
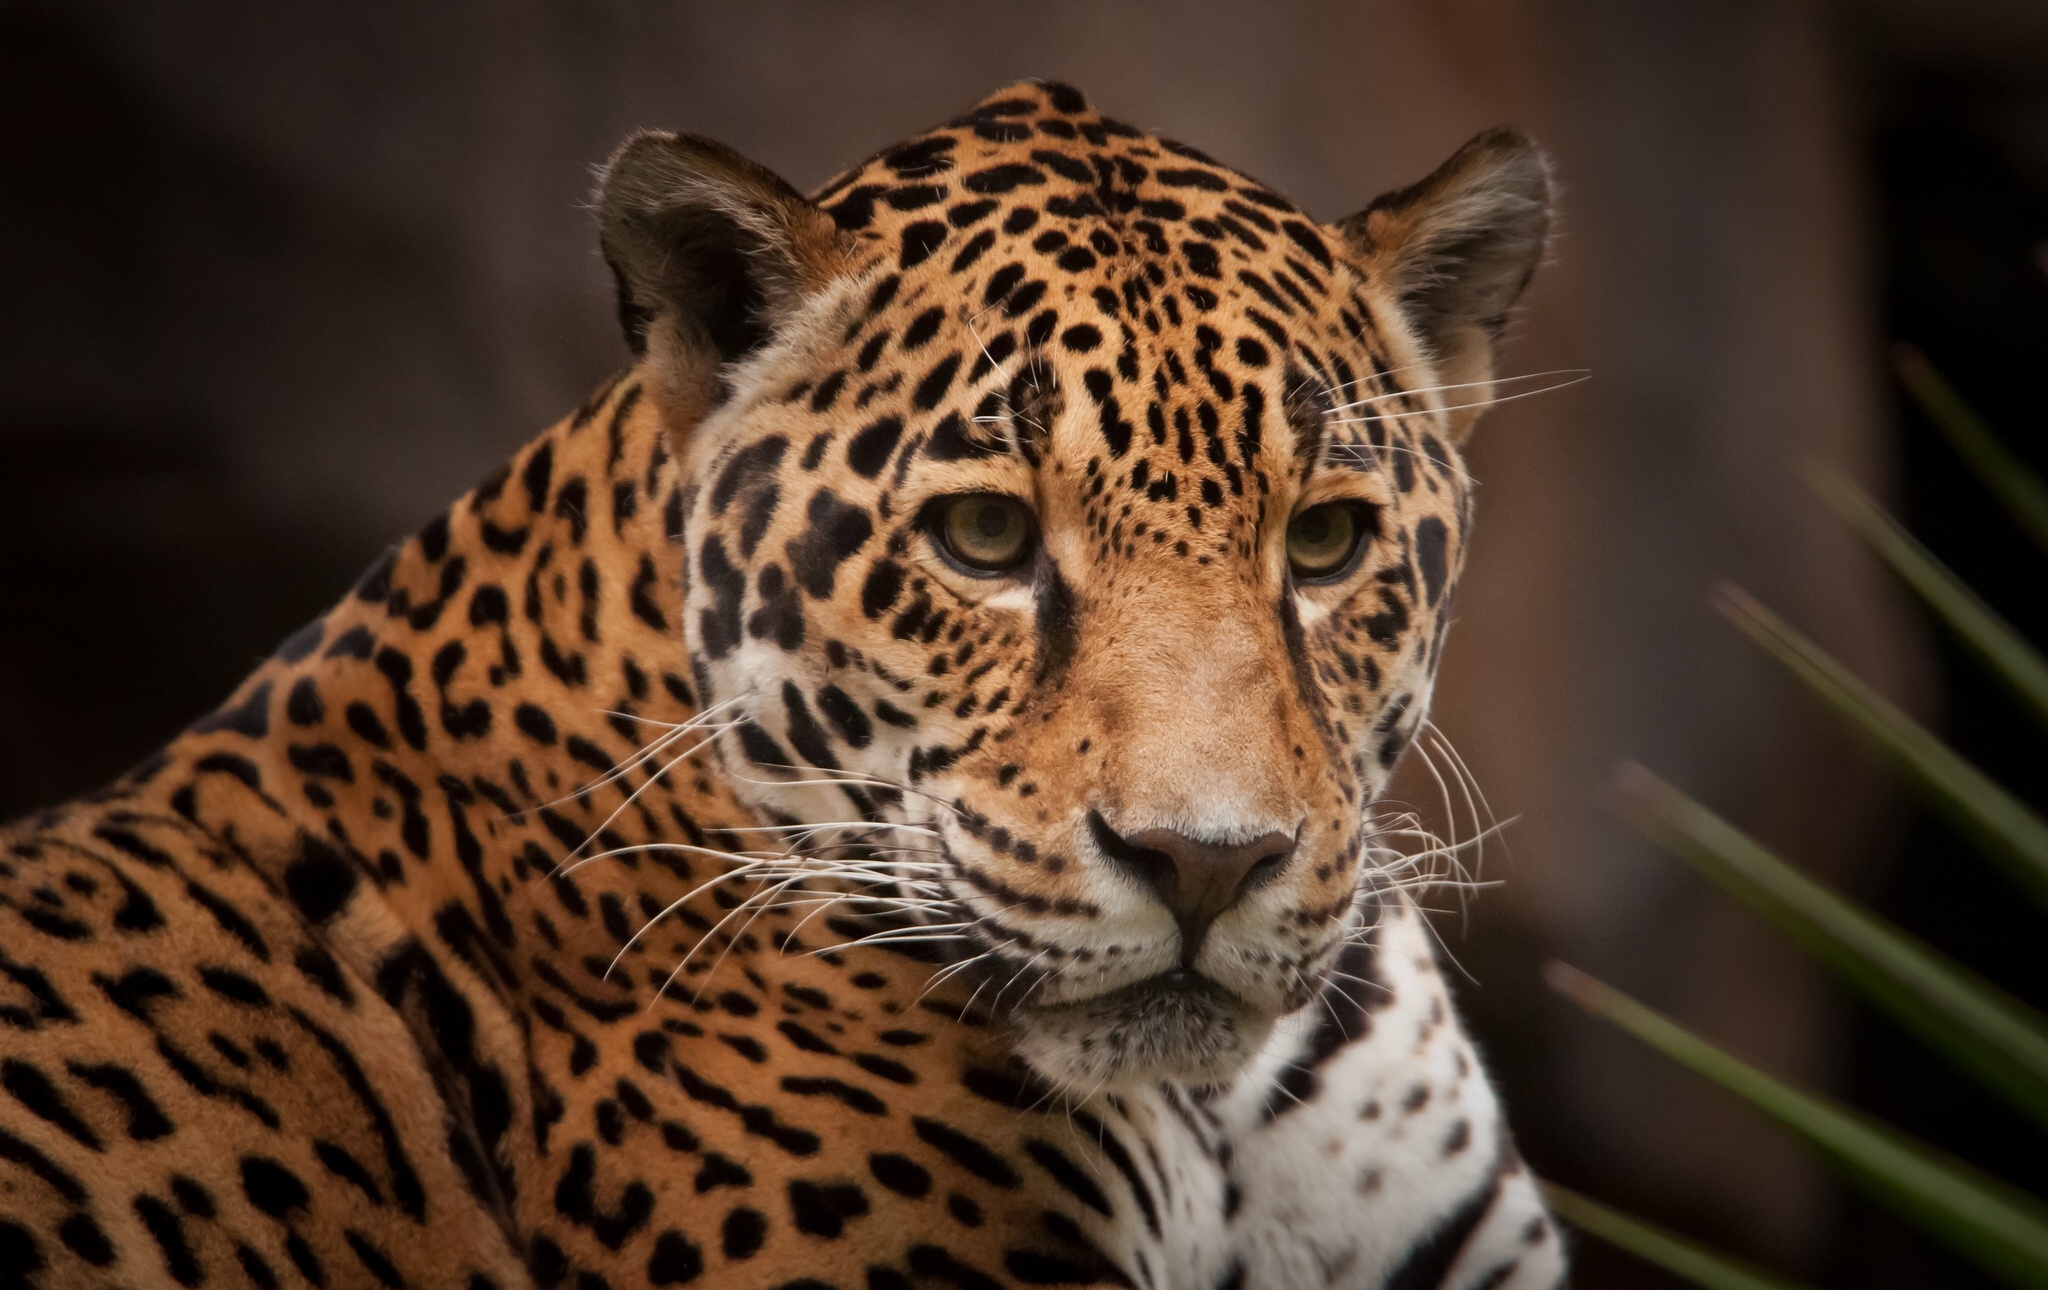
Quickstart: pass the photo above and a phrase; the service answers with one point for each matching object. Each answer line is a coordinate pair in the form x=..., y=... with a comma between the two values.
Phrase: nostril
x=1263, y=872
x=1154, y=868
x=1195, y=879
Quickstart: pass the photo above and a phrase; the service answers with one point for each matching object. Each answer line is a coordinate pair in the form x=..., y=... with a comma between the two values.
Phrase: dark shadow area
x=1963, y=173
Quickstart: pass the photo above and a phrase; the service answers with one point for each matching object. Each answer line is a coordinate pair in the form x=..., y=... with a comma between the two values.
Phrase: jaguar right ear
x=711, y=253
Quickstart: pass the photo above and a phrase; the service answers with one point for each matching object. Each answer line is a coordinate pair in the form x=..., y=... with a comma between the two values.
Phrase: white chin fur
x=1141, y=1035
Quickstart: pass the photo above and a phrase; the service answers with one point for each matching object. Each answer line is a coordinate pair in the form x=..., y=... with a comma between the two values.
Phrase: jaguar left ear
x=712, y=253
x=1456, y=250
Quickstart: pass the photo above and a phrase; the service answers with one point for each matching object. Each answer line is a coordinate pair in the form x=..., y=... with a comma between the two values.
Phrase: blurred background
x=277, y=282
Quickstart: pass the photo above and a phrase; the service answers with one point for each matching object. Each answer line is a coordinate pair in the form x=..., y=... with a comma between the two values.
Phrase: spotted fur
x=666, y=867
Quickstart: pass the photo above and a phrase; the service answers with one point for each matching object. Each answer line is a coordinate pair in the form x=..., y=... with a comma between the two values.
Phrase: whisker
x=1577, y=373
x=1455, y=407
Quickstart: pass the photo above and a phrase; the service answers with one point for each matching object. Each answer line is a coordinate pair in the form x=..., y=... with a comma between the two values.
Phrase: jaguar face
x=1073, y=525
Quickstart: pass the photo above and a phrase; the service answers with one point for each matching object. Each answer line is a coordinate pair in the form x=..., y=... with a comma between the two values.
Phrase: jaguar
x=882, y=795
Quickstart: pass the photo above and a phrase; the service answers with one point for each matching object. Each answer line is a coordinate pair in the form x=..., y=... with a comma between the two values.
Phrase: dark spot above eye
x=1001, y=179
x=837, y=530
x=868, y=451
x=970, y=213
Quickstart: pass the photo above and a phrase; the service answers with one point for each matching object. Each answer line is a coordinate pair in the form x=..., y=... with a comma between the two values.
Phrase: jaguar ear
x=1457, y=249
x=711, y=253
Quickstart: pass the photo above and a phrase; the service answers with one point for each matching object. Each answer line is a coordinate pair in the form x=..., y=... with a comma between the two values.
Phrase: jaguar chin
x=1178, y=1025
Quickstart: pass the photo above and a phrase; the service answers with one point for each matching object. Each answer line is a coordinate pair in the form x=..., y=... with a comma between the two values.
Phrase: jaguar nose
x=1195, y=879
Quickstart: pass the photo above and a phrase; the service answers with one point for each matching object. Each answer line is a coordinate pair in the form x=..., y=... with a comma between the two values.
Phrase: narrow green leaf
x=1995, y=1037
x=1675, y=1254
x=2001, y=1229
x=2006, y=828
x=2019, y=489
x=1993, y=640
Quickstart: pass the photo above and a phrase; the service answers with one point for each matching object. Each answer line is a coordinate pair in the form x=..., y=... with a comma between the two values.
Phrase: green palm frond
x=1988, y=636
x=1987, y=1032
x=2000, y=1041
x=2017, y=488
x=1998, y=1227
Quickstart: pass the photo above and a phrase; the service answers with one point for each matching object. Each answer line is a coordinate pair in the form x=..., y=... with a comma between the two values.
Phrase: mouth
x=1178, y=1025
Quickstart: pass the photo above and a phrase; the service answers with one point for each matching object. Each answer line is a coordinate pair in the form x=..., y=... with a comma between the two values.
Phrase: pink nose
x=1194, y=879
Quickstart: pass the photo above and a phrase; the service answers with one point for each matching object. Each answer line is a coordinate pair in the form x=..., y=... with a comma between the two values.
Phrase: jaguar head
x=1073, y=523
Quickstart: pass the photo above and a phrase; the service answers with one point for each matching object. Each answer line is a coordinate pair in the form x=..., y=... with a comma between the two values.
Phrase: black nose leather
x=1194, y=879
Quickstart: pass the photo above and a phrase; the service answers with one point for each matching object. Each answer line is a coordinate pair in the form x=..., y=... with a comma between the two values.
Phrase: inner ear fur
x=1456, y=250
x=711, y=252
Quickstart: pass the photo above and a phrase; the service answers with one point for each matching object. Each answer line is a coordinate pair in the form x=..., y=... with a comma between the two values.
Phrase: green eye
x=984, y=533
x=1322, y=540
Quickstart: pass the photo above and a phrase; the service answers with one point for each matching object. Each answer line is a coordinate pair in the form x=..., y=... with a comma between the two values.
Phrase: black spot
x=320, y=880
x=914, y=197
x=973, y=251
x=893, y=1071
x=761, y=748
x=303, y=706
x=920, y=240
x=676, y=1260
x=827, y=392
x=920, y=158
x=845, y=715
x=935, y=383
x=823, y=1208
x=719, y=624
x=970, y=213
x=900, y=1174
x=837, y=530
x=868, y=451
x=1001, y=282
x=321, y=760
x=744, y=1231
x=271, y=1187
x=923, y=327
x=80, y=1234
x=1001, y=179
x=719, y=1171
x=534, y=723
x=1308, y=240
x=1430, y=540
x=168, y=1230
x=1205, y=179
x=750, y=465
x=855, y=1097
x=950, y=440
x=781, y=615
x=884, y=584
x=146, y=1120
x=972, y=1155
x=40, y=1096
x=1068, y=1175
x=230, y=984
x=539, y=469
x=1429, y=1261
